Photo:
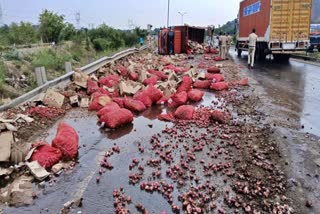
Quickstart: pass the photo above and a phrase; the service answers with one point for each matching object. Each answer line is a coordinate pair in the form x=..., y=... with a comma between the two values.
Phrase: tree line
x=53, y=28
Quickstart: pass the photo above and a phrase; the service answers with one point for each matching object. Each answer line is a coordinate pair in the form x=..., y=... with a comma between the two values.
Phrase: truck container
x=181, y=34
x=282, y=26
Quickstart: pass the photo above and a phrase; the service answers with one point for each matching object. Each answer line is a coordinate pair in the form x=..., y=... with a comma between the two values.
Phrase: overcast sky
x=117, y=13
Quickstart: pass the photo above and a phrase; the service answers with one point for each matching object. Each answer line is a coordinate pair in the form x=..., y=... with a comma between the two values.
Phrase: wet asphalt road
x=293, y=88
x=291, y=92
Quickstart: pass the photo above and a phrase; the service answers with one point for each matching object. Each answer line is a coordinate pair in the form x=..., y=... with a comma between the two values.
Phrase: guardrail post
x=41, y=75
x=68, y=67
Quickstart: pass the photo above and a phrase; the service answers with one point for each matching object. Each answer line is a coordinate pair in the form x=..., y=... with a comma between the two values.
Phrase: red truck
x=283, y=26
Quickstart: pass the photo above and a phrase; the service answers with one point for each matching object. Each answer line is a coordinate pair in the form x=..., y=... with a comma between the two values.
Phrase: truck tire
x=239, y=52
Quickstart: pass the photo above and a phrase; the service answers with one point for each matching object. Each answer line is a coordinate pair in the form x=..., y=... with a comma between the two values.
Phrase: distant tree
x=24, y=33
x=68, y=32
x=141, y=32
x=51, y=25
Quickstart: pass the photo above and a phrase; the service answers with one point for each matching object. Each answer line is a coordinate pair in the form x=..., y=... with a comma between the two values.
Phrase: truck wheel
x=239, y=52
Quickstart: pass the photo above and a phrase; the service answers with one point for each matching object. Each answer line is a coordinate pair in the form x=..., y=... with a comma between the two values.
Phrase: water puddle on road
x=81, y=181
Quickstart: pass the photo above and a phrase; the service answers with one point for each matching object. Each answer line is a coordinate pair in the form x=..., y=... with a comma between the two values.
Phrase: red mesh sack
x=143, y=97
x=119, y=101
x=202, y=65
x=95, y=105
x=216, y=77
x=172, y=104
x=46, y=155
x=154, y=93
x=163, y=100
x=159, y=74
x=180, y=70
x=204, y=84
x=133, y=76
x=185, y=85
x=108, y=108
x=166, y=117
x=184, y=112
x=92, y=86
x=151, y=80
x=180, y=98
x=169, y=67
x=243, y=82
x=219, y=116
x=217, y=58
x=214, y=51
x=195, y=95
x=66, y=140
x=103, y=91
x=109, y=81
x=219, y=86
x=116, y=118
x=213, y=69
x=123, y=71
x=133, y=105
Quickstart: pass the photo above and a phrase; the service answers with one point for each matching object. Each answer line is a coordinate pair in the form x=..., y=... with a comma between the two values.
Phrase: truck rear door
x=290, y=23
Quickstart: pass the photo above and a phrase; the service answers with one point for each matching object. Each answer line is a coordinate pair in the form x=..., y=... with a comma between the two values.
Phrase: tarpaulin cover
x=66, y=140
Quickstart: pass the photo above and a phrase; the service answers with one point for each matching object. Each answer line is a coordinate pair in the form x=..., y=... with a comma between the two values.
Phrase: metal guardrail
x=88, y=69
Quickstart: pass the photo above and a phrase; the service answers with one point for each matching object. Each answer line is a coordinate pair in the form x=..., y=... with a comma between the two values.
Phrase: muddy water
x=294, y=87
x=81, y=181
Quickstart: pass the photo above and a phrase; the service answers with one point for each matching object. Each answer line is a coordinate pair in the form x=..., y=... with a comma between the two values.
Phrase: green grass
x=2, y=72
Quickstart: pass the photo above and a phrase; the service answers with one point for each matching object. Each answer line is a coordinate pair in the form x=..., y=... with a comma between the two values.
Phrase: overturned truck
x=174, y=40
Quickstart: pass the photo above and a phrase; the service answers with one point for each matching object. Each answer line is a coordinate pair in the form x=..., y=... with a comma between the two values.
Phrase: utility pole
x=1, y=18
x=182, y=14
x=168, y=15
x=78, y=20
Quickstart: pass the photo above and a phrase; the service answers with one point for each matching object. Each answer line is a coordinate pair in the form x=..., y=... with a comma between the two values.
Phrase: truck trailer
x=282, y=26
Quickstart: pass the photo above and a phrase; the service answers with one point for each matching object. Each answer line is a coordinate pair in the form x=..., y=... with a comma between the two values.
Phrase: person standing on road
x=218, y=37
x=252, y=47
x=223, y=41
x=229, y=41
x=141, y=41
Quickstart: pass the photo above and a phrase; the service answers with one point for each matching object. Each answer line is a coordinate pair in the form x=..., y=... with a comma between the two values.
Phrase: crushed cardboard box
x=37, y=171
x=53, y=99
x=84, y=103
x=80, y=78
x=6, y=140
x=129, y=87
x=74, y=100
x=104, y=100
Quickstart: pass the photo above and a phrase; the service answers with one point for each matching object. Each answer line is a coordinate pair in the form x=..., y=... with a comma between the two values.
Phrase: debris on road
x=6, y=140
x=39, y=172
x=53, y=99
